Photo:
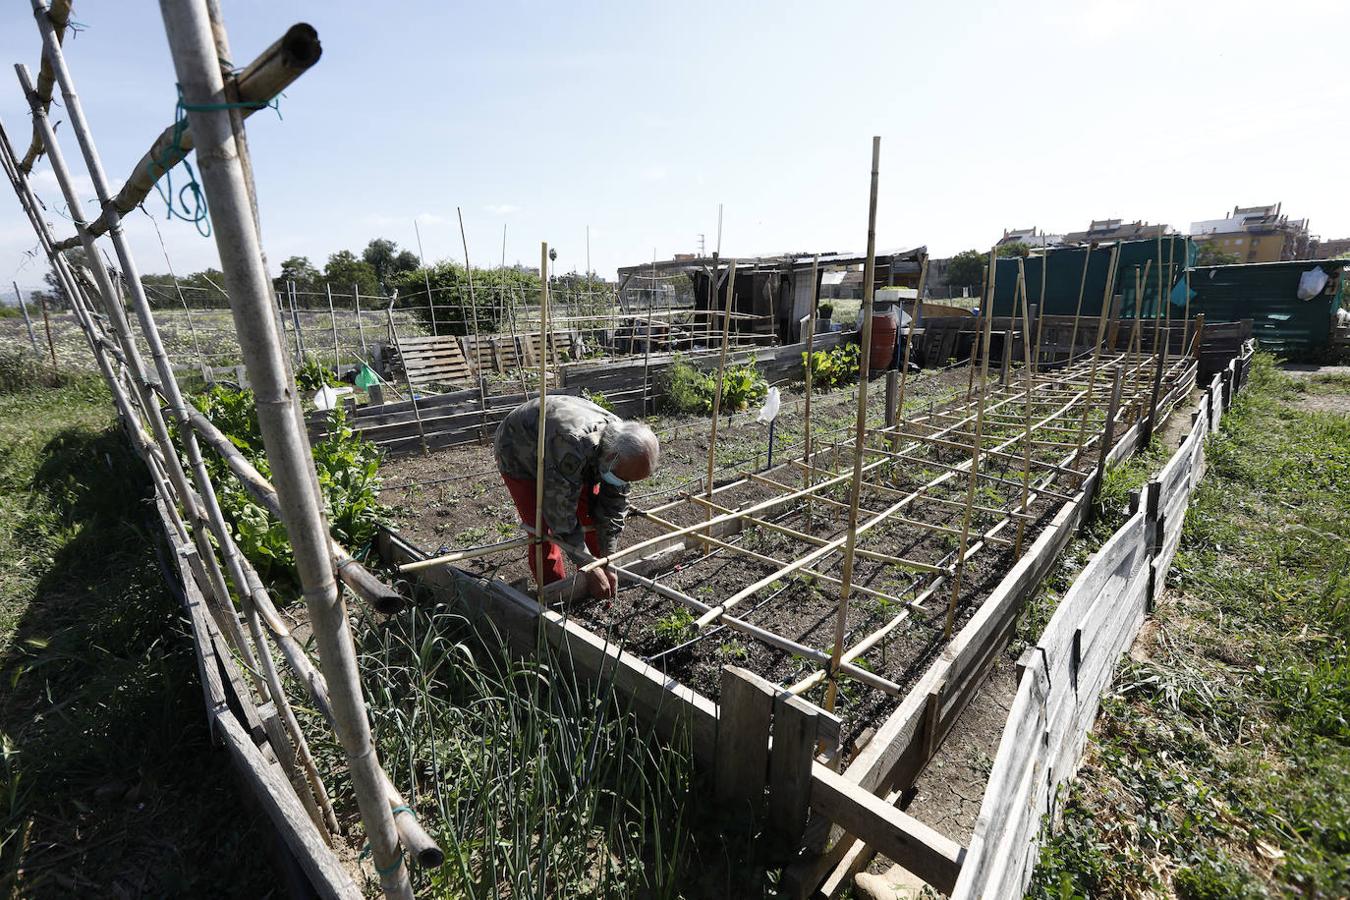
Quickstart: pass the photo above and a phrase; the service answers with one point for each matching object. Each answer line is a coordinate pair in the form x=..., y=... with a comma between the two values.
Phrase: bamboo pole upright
x=332, y=321
x=360, y=326
x=281, y=423
x=27, y=322
x=1097, y=348
x=717, y=394
x=808, y=474
x=859, y=433
x=426, y=280
x=1078, y=309
x=542, y=422
x=973, y=474
x=1040, y=314
x=1029, y=373
x=979, y=331
x=904, y=361
x=47, y=326
x=477, y=345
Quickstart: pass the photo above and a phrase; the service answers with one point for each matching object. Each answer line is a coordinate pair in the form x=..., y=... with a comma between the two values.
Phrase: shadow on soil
x=109, y=785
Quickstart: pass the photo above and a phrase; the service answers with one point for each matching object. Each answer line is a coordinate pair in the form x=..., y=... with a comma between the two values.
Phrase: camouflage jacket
x=572, y=431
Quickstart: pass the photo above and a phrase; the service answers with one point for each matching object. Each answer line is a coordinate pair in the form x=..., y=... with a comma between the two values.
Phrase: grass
x=1220, y=764
x=108, y=785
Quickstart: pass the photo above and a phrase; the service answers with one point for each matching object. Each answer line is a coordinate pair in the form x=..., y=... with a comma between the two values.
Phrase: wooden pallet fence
x=1065, y=674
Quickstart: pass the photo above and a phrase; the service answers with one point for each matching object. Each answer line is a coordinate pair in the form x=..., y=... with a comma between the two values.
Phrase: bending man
x=590, y=458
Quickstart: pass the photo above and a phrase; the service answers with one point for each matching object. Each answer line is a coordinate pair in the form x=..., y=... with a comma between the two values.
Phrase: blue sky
x=639, y=119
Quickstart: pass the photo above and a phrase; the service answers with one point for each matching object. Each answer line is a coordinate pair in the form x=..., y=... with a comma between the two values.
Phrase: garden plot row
x=757, y=560
x=1065, y=674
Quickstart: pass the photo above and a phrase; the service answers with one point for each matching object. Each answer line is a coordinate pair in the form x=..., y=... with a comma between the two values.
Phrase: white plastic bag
x=1311, y=283
x=769, y=411
x=325, y=398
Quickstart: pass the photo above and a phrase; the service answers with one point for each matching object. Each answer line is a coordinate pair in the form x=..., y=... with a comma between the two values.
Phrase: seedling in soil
x=676, y=627
x=734, y=650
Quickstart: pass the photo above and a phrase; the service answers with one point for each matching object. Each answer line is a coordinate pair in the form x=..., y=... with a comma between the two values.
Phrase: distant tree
x=344, y=269
x=300, y=270
x=1016, y=248
x=966, y=269
x=1209, y=254
x=55, y=294
x=388, y=262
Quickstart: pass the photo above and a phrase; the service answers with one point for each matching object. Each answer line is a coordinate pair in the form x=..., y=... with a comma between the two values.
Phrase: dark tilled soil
x=452, y=500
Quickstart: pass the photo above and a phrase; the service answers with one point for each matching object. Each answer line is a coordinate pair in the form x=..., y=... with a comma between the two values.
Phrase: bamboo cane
x=717, y=394
x=1078, y=310
x=477, y=349
x=974, y=457
x=28, y=323
x=859, y=427
x=542, y=423
x=1101, y=334
x=284, y=437
x=807, y=477
x=47, y=325
x=909, y=344
x=332, y=321
x=1028, y=365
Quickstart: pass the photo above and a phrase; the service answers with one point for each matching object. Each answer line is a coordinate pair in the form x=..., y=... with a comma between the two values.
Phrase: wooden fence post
x=742, y=755
x=795, y=731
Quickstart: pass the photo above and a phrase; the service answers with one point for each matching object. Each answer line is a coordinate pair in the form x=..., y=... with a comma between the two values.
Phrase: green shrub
x=349, y=479
x=825, y=310
x=831, y=368
x=314, y=374
x=599, y=399
x=688, y=390
x=22, y=370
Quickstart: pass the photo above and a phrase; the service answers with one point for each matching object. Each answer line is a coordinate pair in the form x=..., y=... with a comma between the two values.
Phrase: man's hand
x=601, y=583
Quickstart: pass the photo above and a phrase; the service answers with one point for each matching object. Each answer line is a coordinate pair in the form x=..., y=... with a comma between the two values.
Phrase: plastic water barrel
x=883, y=339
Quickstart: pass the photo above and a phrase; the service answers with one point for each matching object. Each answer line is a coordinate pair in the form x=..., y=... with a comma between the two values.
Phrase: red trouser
x=522, y=492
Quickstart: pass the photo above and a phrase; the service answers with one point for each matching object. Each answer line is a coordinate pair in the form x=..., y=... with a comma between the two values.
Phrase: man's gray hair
x=629, y=440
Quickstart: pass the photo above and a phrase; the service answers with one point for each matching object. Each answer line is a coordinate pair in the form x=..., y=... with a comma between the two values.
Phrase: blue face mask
x=613, y=479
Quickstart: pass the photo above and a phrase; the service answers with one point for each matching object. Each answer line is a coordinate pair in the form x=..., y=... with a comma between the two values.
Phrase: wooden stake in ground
x=808, y=475
x=859, y=433
x=539, y=443
x=717, y=395
x=974, y=456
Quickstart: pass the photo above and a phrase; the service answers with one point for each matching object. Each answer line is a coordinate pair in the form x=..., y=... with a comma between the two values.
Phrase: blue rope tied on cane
x=393, y=866
x=190, y=200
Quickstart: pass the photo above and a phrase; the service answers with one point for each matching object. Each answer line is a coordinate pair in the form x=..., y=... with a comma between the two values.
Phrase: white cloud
x=655, y=172
x=502, y=209
x=427, y=218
